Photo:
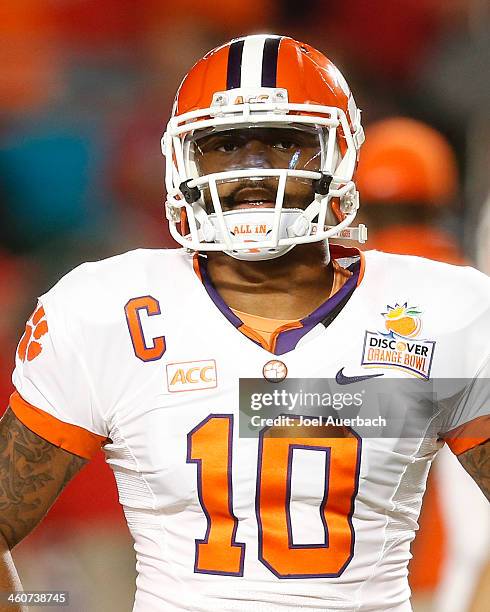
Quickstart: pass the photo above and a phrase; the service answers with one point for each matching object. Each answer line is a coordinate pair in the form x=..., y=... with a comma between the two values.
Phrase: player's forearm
x=32, y=474
x=476, y=462
x=9, y=578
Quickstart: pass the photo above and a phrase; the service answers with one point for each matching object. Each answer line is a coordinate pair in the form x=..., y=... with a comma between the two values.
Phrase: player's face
x=259, y=148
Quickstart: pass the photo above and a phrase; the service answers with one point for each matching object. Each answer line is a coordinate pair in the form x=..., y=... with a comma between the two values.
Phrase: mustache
x=298, y=194
x=264, y=189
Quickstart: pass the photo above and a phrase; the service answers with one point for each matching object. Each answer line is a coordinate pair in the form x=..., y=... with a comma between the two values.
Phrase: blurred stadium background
x=86, y=88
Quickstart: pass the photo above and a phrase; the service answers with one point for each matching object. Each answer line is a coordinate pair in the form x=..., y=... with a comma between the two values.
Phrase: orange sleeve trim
x=468, y=435
x=71, y=438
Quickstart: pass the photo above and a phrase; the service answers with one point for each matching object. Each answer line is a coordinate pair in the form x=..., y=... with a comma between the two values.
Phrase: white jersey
x=139, y=354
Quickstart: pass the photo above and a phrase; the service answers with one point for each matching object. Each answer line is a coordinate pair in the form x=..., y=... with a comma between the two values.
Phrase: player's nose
x=256, y=154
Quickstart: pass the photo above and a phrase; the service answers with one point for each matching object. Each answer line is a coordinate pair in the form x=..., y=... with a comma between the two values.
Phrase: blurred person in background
x=408, y=182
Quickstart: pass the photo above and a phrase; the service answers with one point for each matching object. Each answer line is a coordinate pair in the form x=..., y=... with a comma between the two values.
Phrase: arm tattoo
x=476, y=462
x=33, y=473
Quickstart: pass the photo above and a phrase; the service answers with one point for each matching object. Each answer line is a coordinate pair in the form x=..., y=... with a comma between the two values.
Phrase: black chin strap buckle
x=191, y=194
x=322, y=185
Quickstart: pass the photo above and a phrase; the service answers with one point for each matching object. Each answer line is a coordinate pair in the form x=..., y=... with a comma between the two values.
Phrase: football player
x=143, y=354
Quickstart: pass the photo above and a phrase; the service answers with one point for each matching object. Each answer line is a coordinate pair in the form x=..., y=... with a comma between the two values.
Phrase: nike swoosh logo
x=342, y=379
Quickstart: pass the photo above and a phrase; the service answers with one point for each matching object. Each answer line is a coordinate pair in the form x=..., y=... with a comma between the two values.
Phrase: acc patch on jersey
x=399, y=348
x=191, y=375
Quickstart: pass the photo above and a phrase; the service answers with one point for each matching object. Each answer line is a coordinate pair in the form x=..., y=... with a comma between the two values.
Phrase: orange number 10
x=210, y=447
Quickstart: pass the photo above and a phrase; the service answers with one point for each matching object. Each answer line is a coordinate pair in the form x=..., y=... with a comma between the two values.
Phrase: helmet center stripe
x=252, y=61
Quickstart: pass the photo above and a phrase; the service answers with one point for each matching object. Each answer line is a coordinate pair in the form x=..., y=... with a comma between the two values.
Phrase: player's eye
x=228, y=146
x=285, y=145
x=221, y=143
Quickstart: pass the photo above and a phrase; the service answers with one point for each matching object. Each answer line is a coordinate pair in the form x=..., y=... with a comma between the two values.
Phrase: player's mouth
x=254, y=204
x=253, y=198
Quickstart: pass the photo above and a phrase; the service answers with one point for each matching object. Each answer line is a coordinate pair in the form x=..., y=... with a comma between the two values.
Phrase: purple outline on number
x=198, y=462
x=349, y=516
x=159, y=312
x=327, y=450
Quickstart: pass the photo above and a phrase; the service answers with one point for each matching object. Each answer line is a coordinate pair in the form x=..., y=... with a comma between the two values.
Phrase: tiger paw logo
x=30, y=345
x=403, y=320
x=398, y=347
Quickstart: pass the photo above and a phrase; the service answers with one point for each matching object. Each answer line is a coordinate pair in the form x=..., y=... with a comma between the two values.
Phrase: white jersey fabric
x=164, y=400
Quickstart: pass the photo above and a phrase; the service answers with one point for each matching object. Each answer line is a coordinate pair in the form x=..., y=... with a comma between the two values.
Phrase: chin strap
x=358, y=234
x=294, y=222
x=249, y=226
x=207, y=231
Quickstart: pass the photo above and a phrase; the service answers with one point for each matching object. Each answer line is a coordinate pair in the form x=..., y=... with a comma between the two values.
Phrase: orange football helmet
x=263, y=81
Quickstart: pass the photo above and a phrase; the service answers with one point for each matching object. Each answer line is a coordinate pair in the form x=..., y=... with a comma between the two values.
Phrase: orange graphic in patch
x=36, y=327
x=403, y=320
